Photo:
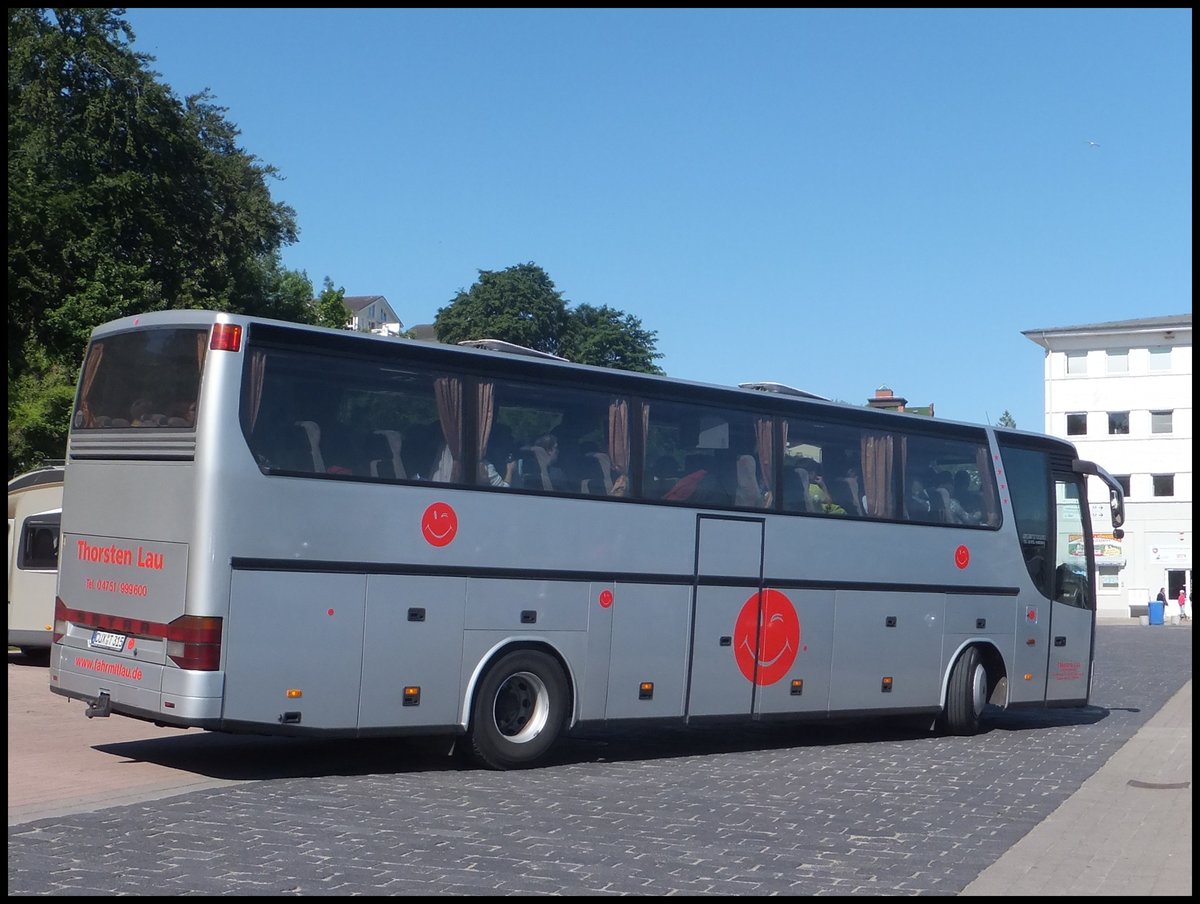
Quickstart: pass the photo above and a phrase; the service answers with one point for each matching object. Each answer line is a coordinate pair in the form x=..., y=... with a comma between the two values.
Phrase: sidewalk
x=1126, y=832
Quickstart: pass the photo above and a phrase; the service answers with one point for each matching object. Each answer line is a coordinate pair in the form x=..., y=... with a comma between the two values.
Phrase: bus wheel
x=967, y=694
x=518, y=711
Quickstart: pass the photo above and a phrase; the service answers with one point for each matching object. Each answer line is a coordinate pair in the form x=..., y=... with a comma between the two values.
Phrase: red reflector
x=226, y=337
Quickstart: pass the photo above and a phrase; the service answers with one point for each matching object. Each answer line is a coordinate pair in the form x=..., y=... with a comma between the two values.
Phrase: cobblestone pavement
x=757, y=811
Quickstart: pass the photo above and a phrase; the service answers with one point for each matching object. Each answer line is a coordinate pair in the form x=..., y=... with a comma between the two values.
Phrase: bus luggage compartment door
x=724, y=615
x=295, y=649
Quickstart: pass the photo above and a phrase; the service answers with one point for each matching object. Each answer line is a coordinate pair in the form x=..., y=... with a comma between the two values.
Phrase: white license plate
x=106, y=640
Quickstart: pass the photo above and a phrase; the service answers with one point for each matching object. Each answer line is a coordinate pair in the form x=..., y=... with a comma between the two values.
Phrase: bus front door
x=1073, y=606
x=725, y=616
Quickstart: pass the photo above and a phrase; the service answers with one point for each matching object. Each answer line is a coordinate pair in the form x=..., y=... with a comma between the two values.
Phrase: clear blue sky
x=834, y=199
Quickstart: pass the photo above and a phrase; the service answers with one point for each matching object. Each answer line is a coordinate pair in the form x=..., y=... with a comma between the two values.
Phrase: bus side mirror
x=1118, y=510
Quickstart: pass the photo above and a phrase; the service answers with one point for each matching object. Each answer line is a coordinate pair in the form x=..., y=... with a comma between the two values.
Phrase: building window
x=1118, y=423
x=1160, y=421
x=1123, y=480
x=1117, y=361
x=1160, y=358
x=1077, y=424
x=1164, y=484
x=1076, y=362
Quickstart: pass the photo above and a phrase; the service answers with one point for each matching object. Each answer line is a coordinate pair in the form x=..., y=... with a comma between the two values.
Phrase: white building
x=372, y=314
x=1122, y=393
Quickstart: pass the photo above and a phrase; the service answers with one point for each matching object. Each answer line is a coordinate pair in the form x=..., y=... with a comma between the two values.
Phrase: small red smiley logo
x=962, y=557
x=606, y=598
x=439, y=524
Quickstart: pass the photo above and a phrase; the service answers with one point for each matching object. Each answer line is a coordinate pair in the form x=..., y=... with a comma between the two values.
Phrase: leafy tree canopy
x=609, y=338
x=122, y=199
x=331, y=307
x=521, y=305
x=1007, y=420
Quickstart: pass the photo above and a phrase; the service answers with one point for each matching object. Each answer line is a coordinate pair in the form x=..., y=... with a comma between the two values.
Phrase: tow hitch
x=101, y=707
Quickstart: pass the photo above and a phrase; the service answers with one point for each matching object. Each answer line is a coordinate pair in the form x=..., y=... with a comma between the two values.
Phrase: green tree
x=609, y=338
x=1006, y=420
x=122, y=199
x=331, y=307
x=521, y=305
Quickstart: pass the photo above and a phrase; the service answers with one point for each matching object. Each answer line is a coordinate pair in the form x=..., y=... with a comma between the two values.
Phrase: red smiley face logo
x=439, y=524
x=779, y=640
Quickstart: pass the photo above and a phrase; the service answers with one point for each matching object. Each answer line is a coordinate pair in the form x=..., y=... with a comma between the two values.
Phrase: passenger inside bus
x=953, y=512
x=820, y=499
x=662, y=477
x=502, y=449
x=970, y=500
x=538, y=465
x=695, y=469
x=142, y=414
x=182, y=414
x=917, y=502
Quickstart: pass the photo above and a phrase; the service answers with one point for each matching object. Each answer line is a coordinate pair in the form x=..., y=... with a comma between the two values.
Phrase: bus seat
x=748, y=492
x=383, y=454
x=313, y=431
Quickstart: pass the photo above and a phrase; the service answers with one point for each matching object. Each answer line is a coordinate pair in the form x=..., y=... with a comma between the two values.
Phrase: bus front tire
x=518, y=711
x=966, y=696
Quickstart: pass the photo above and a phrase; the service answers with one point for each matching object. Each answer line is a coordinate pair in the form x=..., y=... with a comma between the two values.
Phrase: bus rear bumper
x=111, y=684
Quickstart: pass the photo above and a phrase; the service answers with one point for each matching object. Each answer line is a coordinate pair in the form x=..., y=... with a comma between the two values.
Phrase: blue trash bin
x=1156, y=612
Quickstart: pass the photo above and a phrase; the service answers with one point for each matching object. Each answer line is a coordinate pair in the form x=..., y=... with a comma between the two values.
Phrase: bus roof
x=528, y=362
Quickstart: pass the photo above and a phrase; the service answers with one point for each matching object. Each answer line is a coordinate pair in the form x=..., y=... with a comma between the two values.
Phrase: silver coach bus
x=281, y=529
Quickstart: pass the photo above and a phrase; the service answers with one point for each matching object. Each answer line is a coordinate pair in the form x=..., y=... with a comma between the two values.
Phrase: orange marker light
x=294, y=693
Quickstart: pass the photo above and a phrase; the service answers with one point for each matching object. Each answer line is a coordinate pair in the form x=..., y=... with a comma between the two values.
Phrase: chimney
x=886, y=399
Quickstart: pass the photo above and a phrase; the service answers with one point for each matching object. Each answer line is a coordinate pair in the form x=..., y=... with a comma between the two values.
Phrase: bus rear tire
x=966, y=696
x=519, y=710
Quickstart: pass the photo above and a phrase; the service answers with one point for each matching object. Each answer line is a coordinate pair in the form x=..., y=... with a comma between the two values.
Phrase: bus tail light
x=60, y=620
x=194, y=642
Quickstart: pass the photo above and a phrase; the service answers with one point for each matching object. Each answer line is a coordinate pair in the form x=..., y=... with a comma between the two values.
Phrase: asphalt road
x=105, y=807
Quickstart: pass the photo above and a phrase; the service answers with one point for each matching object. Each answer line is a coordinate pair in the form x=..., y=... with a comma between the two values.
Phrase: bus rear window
x=147, y=378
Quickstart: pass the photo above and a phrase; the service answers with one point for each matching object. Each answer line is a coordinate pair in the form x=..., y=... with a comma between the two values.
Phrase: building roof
x=1170, y=321
x=356, y=303
x=425, y=332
